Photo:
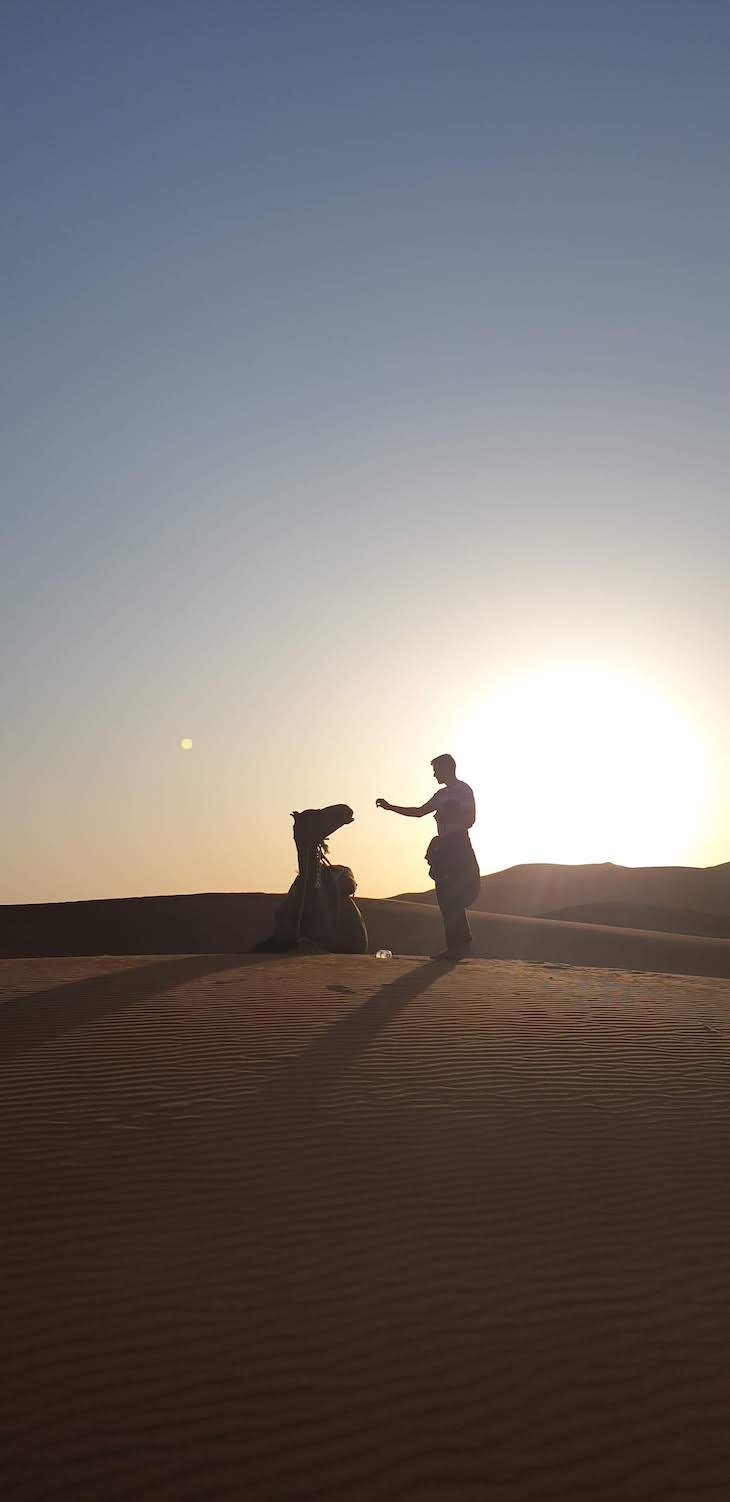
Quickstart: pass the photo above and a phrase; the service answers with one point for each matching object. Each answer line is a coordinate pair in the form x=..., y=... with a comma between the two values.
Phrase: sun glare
x=579, y=765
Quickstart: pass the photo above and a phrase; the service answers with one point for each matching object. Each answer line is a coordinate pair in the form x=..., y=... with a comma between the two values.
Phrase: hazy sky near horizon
x=366, y=374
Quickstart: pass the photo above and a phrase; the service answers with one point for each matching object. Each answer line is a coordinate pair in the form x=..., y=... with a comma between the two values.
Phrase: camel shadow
x=31, y=1020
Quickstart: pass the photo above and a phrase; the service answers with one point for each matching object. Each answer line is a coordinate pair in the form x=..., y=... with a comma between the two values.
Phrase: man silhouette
x=451, y=859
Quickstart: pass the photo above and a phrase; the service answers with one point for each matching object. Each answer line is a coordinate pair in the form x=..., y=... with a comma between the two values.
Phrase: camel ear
x=295, y=813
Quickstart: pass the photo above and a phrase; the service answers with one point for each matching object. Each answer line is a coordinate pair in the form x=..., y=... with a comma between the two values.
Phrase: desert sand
x=336, y=1227
x=225, y=922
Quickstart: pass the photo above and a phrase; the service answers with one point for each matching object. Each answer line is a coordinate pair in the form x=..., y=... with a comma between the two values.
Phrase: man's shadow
x=302, y=1083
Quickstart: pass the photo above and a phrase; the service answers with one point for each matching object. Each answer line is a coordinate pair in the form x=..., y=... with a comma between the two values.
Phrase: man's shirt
x=453, y=807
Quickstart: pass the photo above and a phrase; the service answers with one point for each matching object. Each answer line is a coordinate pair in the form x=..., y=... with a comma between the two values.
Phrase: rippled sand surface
x=333, y=1227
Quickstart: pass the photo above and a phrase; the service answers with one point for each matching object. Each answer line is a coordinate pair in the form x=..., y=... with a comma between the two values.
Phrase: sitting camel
x=319, y=906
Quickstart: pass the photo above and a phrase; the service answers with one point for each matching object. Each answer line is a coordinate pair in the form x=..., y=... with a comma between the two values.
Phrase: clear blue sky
x=356, y=357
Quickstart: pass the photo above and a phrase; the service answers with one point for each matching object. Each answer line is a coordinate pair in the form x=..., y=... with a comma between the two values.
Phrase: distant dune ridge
x=674, y=920
x=541, y=890
x=634, y=927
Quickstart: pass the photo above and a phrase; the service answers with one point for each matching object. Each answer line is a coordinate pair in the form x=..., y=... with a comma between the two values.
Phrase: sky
x=365, y=379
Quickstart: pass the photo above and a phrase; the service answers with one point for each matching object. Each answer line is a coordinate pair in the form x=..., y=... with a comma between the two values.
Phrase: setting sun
x=582, y=765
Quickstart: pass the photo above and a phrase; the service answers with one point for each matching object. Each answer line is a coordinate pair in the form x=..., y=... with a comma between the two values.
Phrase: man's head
x=444, y=767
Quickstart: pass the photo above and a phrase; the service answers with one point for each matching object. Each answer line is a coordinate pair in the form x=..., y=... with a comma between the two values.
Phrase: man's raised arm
x=408, y=813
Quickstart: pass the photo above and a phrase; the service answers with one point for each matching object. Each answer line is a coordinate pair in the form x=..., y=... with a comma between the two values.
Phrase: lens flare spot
x=186, y=744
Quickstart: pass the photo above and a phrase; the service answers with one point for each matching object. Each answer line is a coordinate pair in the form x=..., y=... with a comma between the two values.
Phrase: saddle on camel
x=319, y=907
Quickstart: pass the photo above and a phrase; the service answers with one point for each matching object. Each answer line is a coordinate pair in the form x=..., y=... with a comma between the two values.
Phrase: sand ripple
x=329, y=1228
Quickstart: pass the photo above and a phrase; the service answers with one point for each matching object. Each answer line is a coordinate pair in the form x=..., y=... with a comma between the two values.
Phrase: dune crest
x=232, y=922
x=536, y=890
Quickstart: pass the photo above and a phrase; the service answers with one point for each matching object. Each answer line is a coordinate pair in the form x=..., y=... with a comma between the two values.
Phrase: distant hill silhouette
x=231, y=922
x=534, y=891
x=670, y=920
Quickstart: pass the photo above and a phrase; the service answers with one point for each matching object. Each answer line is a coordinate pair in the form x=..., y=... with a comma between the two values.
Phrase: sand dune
x=534, y=890
x=673, y=920
x=413, y=928
x=232, y=922
x=208, y=922
x=331, y=1227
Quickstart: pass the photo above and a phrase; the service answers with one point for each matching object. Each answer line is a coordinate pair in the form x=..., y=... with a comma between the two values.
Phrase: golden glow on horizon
x=582, y=765
x=186, y=744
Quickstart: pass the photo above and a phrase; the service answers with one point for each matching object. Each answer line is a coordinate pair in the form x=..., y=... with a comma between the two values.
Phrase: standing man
x=451, y=859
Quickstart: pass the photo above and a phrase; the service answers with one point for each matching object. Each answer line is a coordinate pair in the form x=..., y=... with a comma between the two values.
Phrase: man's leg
x=456, y=924
x=458, y=932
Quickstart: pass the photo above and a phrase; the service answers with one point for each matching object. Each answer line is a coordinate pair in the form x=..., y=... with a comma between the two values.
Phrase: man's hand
x=382, y=803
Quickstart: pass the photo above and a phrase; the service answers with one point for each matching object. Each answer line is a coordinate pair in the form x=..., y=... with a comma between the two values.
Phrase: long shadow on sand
x=27, y=1021
x=299, y=1083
